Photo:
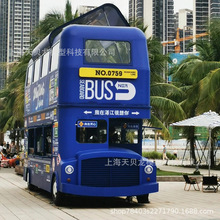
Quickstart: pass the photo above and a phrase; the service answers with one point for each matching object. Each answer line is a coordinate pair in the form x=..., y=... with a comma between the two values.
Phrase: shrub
x=171, y=156
x=157, y=155
x=152, y=155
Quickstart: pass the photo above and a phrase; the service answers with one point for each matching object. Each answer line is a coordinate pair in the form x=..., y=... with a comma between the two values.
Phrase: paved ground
x=171, y=202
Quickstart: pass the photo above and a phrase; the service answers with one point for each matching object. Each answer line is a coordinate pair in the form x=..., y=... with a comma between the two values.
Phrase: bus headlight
x=148, y=169
x=69, y=169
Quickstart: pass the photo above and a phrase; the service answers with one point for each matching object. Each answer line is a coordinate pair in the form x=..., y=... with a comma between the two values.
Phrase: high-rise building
x=185, y=18
x=17, y=20
x=84, y=9
x=204, y=10
x=158, y=16
x=185, y=28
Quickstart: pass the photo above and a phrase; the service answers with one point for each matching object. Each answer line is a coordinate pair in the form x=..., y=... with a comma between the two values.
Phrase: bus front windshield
x=123, y=132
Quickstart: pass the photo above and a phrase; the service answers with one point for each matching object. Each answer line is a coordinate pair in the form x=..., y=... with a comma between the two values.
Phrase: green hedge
x=157, y=155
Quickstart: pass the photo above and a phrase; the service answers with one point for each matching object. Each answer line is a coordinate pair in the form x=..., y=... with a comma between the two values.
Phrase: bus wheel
x=30, y=186
x=143, y=198
x=56, y=195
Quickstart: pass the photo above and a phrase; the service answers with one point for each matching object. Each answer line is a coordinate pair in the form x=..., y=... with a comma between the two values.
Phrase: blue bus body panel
x=63, y=98
x=71, y=92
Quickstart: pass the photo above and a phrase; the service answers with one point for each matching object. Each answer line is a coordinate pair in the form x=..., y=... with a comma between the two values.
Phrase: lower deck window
x=40, y=141
x=89, y=131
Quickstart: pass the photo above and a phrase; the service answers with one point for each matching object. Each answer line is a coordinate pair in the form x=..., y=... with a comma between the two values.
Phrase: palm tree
x=138, y=23
x=12, y=96
x=199, y=78
x=53, y=20
x=164, y=109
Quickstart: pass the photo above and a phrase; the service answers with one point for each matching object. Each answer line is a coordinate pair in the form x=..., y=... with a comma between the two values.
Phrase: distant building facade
x=84, y=9
x=204, y=10
x=18, y=18
x=158, y=16
x=185, y=25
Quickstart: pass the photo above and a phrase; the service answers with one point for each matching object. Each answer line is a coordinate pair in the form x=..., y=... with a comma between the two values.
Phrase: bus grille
x=98, y=172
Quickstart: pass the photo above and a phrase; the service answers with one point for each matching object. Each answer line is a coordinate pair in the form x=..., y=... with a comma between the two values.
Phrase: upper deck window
x=55, y=57
x=45, y=65
x=113, y=52
x=37, y=70
x=30, y=75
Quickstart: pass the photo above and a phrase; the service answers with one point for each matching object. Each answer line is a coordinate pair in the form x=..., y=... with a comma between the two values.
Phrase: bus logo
x=99, y=90
x=87, y=124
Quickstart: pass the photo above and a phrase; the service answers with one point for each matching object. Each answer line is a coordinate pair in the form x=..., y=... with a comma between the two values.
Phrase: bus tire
x=56, y=195
x=30, y=186
x=143, y=198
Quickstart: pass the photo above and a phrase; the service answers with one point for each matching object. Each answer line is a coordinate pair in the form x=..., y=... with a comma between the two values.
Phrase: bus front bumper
x=109, y=191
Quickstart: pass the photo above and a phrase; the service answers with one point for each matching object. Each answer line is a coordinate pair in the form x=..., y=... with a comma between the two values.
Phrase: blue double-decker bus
x=87, y=92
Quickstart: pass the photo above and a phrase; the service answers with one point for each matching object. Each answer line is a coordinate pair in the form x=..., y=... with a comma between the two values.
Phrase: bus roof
x=105, y=15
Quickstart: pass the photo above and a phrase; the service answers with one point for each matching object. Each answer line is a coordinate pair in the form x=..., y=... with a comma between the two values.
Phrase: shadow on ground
x=87, y=202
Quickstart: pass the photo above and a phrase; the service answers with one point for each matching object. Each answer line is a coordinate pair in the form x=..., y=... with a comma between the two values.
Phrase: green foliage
x=139, y=24
x=152, y=155
x=53, y=20
x=68, y=12
x=12, y=96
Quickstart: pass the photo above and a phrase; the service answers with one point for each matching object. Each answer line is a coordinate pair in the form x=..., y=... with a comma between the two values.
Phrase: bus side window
x=39, y=138
x=37, y=69
x=45, y=65
x=48, y=140
x=29, y=75
x=55, y=57
x=31, y=141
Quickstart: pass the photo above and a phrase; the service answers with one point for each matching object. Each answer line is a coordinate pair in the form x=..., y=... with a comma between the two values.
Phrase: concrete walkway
x=170, y=203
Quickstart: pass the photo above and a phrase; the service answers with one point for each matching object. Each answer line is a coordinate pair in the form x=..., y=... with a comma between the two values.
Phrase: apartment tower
x=204, y=11
x=158, y=16
x=17, y=20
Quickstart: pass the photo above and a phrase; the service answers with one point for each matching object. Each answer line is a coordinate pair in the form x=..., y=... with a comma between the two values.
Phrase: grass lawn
x=167, y=173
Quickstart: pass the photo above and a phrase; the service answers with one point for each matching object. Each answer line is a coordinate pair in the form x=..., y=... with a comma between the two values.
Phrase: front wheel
x=143, y=198
x=56, y=195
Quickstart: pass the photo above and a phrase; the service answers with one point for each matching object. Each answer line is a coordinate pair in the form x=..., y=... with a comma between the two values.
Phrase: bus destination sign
x=108, y=73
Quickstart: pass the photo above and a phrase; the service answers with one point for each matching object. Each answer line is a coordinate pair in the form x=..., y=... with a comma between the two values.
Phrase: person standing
x=12, y=149
x=164, y=153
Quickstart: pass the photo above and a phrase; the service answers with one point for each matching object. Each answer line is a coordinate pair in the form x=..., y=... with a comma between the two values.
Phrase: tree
x=164, y=108
x=199, y=78
x=12, y=96
x=53, y=20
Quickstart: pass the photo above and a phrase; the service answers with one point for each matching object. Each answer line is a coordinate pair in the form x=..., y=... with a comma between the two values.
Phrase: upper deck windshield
x=115, y=52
